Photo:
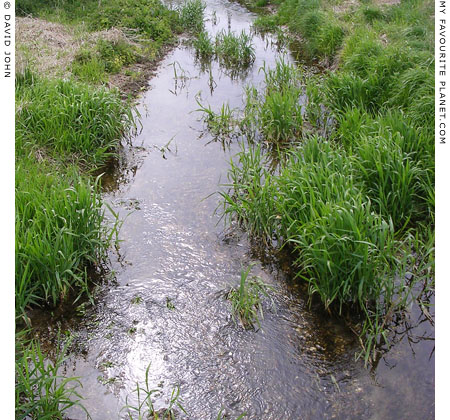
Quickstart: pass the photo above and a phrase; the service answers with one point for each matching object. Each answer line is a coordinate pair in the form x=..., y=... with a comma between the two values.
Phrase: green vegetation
x=204, y=46
x=246, y=299
x=276, y=110
x=69, y=120
x=148, y=18
x=60, y=233
x=273, y=114
x=127, y=32
x=60, y=221
x=144, y=409
x=109, y=57
x=235, y=52
x=192, y=16
x=321, y=33
x=220, y=416
x=41, y=391
x=352, y=196
x=65, y=130
x=221, y=125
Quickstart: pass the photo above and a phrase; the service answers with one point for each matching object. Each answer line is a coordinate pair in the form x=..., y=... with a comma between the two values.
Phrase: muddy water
x=165, y=304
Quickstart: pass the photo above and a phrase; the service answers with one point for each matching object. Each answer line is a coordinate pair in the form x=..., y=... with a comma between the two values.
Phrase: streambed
x=165, y=304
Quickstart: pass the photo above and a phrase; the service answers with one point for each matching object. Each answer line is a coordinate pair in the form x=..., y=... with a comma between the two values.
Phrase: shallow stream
x=165, y=305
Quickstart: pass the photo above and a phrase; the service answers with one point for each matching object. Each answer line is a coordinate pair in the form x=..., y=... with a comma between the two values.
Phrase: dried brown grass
x=51, y=47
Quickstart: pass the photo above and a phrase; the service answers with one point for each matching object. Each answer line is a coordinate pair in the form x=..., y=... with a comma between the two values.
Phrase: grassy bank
x=115, y=43
x=63, y=130
x=352, y=197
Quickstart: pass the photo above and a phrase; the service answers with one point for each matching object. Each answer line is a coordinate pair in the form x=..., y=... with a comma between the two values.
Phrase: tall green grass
x=342, y=225
x=321, y=33
x=348, y=206
x=316, y=206
x=61, y=231
x=63, y=129
x=70, y=119
x=61, y=228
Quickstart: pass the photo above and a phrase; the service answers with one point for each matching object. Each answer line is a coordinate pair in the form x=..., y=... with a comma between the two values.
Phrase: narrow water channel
x=165, y=305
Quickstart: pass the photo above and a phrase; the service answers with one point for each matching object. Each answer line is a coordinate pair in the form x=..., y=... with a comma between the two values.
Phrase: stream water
x=165, y=304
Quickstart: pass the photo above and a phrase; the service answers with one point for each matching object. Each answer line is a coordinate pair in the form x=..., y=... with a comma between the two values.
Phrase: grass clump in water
x=277, y=109
x=41, y=391
x=234, y=50
x=144, y=408
x=204, y=46
x=246, y=300
x=273, y=114
x=221, y=125
x=192, y=16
